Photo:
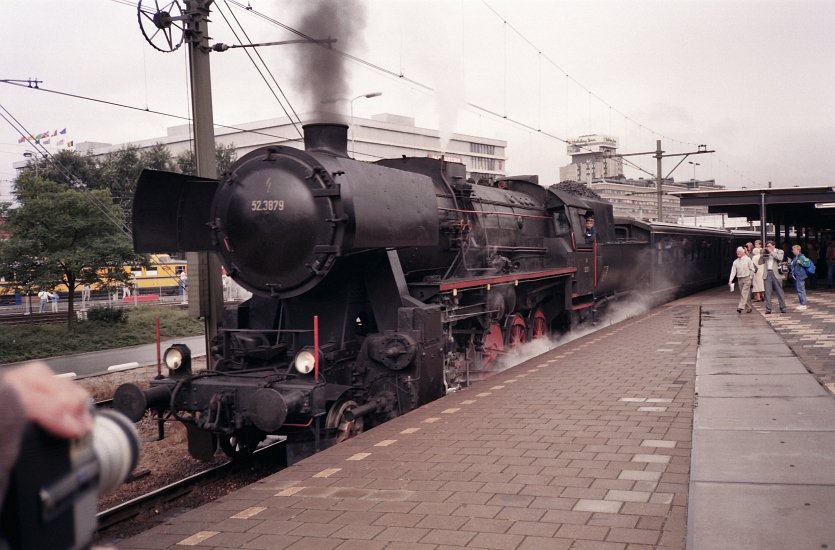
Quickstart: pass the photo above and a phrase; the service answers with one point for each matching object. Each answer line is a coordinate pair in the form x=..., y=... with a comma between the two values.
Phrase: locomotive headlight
x=177, y=357
x=305, y=361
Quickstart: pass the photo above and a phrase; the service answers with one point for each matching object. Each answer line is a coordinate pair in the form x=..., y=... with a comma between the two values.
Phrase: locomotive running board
x=171, y=212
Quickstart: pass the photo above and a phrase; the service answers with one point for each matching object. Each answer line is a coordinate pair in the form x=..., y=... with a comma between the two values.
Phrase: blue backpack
x=811, y=269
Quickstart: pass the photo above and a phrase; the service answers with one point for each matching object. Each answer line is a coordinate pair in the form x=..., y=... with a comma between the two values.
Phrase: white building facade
x=382, y=136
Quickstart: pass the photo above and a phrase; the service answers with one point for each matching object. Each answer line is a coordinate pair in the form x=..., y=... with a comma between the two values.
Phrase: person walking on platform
x=744, y=270
x=758, y=282
x=773, y=281
x=798, y=271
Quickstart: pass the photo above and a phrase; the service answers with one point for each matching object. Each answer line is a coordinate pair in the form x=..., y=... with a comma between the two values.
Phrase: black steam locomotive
x=379, y=287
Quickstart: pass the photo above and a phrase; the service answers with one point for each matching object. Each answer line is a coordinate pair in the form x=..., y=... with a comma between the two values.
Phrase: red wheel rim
x=517, y=333
x=539, y=327
x=493, y=344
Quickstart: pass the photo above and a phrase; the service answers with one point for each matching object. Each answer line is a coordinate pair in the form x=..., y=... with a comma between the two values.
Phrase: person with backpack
x=799, y=268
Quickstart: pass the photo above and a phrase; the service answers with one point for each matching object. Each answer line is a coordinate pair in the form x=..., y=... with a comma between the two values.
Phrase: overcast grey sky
x=752, y=79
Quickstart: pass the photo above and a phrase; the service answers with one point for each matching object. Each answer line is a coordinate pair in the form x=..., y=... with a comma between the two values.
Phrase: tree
x=71, y=168
x=225, y=155
x=61, y=235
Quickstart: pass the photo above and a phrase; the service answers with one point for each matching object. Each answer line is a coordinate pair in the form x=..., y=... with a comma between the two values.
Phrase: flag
x=22, y=139
x=63, y=131
x=46, y=141
x=60, y=142
x=54, y=133
x=37, y=141
x=69, y=144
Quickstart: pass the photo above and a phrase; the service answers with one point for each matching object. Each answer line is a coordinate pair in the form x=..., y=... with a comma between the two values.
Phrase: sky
x=752, y=80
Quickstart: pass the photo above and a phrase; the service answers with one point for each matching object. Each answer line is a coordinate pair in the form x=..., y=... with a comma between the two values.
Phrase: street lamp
x=694, y=169
x=351, y=103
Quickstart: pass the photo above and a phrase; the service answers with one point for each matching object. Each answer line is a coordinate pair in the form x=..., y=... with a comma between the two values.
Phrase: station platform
x=686, y=426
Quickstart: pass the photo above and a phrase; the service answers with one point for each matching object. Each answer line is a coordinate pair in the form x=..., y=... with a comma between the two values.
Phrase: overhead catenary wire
x=12, y=121
x=400, y=76
x=147, y=110
x=295, y=120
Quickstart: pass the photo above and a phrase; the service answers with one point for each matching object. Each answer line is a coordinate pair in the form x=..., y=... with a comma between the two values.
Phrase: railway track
x=152, y=505
x=54, y=318
x=34, y=318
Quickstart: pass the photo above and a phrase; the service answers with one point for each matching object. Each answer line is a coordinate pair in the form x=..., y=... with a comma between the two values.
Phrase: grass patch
x=23, y=342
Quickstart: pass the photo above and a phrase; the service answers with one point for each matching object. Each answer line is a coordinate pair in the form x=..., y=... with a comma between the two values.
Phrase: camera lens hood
x=116, y=445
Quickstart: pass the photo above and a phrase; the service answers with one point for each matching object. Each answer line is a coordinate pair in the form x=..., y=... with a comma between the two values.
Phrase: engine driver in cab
x=590, y=231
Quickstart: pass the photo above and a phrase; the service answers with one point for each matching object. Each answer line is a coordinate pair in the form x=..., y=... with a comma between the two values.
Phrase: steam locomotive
x=378, y=287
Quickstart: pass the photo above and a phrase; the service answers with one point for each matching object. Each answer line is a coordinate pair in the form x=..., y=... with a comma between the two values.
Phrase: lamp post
x=351, y=103
x=694, y=170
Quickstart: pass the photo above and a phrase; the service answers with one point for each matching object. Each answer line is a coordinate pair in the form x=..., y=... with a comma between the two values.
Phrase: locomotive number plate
x=268, y=206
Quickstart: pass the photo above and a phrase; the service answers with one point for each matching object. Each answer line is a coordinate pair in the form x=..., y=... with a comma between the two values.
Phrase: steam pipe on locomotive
x=419, y=278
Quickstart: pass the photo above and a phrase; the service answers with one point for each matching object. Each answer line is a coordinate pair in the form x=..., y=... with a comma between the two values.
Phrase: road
x=96, y=362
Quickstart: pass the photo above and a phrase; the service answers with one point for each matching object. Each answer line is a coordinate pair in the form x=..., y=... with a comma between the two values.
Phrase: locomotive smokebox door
x=278, y=230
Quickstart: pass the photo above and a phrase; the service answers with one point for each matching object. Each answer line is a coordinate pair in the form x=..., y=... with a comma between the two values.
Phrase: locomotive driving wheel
x=538, y=324
x=239, y=444
x=517, y=331
x=493, y=345
x=346, y=429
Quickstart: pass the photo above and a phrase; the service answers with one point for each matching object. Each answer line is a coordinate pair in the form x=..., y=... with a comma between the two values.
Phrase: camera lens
x=116, y=444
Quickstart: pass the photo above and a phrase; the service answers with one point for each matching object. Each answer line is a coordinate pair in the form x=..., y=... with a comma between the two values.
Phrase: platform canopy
x=811, y=207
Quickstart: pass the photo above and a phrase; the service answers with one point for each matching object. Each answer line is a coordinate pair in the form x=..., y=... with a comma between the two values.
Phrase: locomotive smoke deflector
x=171, y=211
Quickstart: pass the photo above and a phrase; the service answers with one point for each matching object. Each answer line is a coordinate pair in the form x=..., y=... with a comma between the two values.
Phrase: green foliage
x=70, y=168
x=62, y=235
x=71, y=227
x=24, y=342
x=107, y=315
x=225, y=156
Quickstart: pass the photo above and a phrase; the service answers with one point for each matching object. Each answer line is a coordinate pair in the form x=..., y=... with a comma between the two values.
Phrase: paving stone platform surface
x=585, y=446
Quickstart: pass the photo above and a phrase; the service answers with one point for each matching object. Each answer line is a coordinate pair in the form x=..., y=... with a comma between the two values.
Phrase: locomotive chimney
x=326, y=138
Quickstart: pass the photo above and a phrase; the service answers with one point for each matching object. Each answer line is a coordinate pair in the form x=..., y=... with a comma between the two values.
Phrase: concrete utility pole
x=659, y=178
x=659, y=154
x=205, y=291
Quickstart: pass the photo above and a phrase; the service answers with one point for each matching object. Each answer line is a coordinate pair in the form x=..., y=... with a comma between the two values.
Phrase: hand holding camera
x=67, y=456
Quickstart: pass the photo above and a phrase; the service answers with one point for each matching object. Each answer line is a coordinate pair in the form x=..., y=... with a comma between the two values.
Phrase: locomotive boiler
x=377, y=287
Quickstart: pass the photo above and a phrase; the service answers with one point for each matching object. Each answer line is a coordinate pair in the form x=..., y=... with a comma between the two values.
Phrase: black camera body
x=52, y=499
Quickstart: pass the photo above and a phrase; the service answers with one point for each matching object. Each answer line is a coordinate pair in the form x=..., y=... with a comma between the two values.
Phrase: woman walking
x=758, y=282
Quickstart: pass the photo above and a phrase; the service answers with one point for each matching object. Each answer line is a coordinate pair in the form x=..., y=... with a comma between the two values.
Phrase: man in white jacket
x=743, y=269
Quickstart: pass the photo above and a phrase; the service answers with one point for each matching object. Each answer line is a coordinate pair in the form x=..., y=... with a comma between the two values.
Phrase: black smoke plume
x=320, y=72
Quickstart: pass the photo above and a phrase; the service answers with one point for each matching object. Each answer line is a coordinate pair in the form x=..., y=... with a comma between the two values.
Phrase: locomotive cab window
x=561, y=226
